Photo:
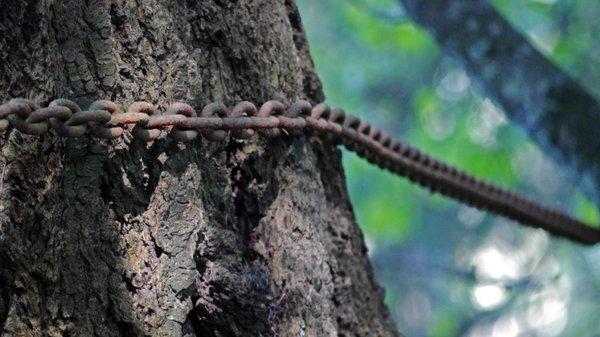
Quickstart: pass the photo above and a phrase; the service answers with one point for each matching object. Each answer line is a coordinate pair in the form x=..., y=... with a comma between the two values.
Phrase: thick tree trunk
x=124, y=238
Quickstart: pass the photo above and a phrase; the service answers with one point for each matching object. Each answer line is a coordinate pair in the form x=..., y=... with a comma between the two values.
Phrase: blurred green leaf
x=586, y=211
x=446, y=325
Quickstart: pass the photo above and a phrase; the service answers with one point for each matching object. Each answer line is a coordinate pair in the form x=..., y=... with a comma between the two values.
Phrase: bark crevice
x=123, y=238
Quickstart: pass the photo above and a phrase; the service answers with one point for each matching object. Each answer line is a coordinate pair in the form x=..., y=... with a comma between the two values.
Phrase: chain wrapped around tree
x=103, y=119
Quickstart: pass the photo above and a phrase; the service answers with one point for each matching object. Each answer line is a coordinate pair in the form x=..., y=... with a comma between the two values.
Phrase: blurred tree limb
x=557, y=112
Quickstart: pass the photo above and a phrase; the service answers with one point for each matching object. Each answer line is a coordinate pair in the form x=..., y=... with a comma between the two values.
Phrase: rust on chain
x=101, y=129
x=58, y=122
x=213, y=110
x=181, y=133
x=243, y=109
x=143, y=130
x=104, y=119
x=271, y=109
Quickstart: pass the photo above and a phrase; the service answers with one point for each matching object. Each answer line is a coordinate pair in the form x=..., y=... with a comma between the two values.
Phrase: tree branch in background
x=556, y=111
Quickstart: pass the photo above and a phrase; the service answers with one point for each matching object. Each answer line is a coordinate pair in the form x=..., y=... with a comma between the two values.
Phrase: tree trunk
x=124, y=238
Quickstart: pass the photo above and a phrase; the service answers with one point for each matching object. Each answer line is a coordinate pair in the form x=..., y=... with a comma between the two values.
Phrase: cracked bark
x=122, y=238
x=555, y=110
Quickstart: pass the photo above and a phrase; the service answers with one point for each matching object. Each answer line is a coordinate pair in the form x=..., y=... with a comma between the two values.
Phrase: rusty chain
x=216, y=122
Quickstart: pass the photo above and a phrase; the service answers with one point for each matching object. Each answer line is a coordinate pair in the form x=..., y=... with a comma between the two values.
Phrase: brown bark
x=121, y=238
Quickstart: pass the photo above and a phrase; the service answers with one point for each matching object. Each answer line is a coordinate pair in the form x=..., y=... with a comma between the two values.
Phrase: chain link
x=103, y=119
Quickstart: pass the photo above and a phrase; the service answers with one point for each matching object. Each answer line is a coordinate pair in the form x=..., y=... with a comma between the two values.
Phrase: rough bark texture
x=121, y=238
x=554, y=109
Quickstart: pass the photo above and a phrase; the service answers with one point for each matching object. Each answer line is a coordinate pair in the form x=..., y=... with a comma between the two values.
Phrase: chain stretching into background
x=103, y=119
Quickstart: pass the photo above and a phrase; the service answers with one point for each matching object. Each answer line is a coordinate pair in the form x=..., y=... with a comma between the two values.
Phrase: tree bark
x=556, y=111
x=123, y=238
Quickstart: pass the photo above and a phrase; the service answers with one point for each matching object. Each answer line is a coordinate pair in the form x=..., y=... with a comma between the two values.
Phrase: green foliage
x=373, y=31
x=586, y=211
x=393, y=74
x=373, y=56
x=566, y=31
x=446, y=325
x=390, y=216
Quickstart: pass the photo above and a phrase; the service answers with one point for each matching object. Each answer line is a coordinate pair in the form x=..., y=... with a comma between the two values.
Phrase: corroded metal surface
x=103, y=119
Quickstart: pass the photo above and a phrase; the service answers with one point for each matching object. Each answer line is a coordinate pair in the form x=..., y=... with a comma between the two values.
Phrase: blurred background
x=448, y=269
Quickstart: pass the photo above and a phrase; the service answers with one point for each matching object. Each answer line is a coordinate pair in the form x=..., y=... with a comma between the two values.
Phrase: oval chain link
x=103, y=119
